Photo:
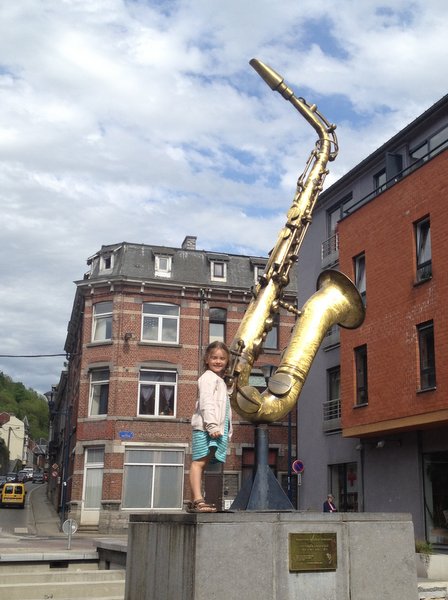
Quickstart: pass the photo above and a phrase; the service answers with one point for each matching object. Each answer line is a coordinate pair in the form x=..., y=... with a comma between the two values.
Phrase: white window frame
x=258, y=272
x=153, y=482
x=162, y=265
x=159, y=400
x=161, y=317
x=94, y=385
x=104, y=319
x=92, y=466
x=107, y=262
x=213, y=267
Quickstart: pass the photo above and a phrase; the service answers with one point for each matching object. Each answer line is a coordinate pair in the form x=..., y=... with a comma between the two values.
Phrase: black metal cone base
x=262, y=491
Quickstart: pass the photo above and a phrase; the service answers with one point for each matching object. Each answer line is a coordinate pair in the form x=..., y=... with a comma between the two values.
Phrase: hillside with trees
x=22, y=402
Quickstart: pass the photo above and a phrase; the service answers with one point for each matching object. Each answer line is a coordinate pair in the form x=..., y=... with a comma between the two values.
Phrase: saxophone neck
x=325, y=130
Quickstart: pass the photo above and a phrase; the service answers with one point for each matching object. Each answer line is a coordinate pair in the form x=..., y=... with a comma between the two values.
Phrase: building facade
x=373, y=416
x=121, y=433
x=14, y=433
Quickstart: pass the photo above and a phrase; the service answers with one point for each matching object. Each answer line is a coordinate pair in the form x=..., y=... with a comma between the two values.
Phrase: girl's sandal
x=200, y=506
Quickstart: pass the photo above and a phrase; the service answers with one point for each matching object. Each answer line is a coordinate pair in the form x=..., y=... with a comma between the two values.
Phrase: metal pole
x=289, y=456
x=67, y=435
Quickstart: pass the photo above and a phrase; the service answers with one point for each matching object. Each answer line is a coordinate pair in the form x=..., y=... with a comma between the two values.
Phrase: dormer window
x=162, y=265
x=106, y=262
x=258, y=272
x=218, y=270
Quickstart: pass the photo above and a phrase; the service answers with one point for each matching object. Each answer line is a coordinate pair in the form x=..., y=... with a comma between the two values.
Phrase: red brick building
x=406, y=306
x=376, y=400
x=141, y=319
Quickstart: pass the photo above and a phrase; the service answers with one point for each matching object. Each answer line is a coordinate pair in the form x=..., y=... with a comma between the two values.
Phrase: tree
x=22, y=402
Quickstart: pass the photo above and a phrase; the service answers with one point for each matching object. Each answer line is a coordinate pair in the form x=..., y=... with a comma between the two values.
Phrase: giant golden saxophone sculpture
x=336, y=301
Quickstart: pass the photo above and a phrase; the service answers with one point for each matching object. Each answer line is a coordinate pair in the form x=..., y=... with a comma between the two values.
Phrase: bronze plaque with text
x=312, y=552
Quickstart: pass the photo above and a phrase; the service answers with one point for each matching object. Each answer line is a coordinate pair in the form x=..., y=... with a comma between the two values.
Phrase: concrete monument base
x=271, y=556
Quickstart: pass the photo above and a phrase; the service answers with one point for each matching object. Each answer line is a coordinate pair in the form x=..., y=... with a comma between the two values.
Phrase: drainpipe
x=202, y=301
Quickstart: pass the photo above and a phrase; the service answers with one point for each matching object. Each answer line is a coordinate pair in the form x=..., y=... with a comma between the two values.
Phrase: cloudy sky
x=142, y=121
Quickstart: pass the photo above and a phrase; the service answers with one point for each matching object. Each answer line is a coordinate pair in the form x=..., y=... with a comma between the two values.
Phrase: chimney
x=189, y=242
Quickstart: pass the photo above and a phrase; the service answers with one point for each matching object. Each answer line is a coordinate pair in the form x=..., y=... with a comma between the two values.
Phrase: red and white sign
x=298, y=466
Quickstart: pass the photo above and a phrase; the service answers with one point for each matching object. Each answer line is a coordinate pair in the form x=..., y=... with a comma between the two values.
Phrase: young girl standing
x=211, y=422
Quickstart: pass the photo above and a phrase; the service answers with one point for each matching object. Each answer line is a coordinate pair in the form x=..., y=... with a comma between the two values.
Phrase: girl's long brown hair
x=216, y=345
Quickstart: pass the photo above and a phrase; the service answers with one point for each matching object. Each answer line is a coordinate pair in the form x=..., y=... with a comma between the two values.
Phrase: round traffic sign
x=69, y=526
x=298, y=466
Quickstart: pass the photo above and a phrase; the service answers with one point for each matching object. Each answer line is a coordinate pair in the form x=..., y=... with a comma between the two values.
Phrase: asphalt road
x=15, y=520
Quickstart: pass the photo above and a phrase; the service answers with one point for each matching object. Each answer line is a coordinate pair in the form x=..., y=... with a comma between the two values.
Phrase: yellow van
x=13, y=494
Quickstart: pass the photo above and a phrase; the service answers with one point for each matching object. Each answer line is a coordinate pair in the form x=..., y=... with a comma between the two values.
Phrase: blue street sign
x=126, y=435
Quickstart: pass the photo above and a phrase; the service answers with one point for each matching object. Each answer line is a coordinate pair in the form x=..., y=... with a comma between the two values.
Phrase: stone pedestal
x=253, y=555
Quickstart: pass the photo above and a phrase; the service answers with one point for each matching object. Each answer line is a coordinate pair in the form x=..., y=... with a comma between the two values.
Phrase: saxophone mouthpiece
x=272, y=78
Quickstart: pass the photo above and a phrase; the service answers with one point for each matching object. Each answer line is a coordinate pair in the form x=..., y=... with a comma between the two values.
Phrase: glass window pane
x=137, y=456
x=168, y=487
x=166, y=400
x=217, y=314
x=160, y=309
x=272, y=338
x=158, y=376
x=169, y=330
x=95, y=456
x=423, y=242
x=94, y=486
x=167, y=457
x=216, y=332
x=334, y=381
x=103, y=328
x=150, y=328
x=147, y=399
x=137, y=487
x=420, y=152
x=218, y=269
x=439, y=141
x=100, y=396
x=102, y=375
x=102, y=308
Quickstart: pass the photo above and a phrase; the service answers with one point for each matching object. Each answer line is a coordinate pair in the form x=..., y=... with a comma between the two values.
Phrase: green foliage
x=22, y=402
x=423, y=547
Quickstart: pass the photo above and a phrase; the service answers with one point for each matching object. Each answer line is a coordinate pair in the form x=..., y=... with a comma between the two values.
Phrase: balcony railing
x=330, y=251
x=332, y=337
x=332, y=415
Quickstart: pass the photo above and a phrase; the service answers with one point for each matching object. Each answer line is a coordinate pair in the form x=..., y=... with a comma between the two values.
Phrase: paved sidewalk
x=43, y=532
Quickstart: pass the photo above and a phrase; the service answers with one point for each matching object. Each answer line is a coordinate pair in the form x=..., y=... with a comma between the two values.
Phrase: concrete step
x=432, y=590
x=108, y=584
x=60, y=576
x=44, y=567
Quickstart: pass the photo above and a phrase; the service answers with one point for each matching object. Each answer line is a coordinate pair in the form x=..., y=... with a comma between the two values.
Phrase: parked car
x=25, y=475
x=38, y=477
x=11, y=477
x=3, y=480
x=13, y=494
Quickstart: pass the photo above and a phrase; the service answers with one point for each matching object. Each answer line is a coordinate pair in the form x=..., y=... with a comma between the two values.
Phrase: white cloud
x=119, y=117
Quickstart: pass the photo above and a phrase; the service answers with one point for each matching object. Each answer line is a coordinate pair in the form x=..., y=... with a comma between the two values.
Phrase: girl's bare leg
x=196, y=472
